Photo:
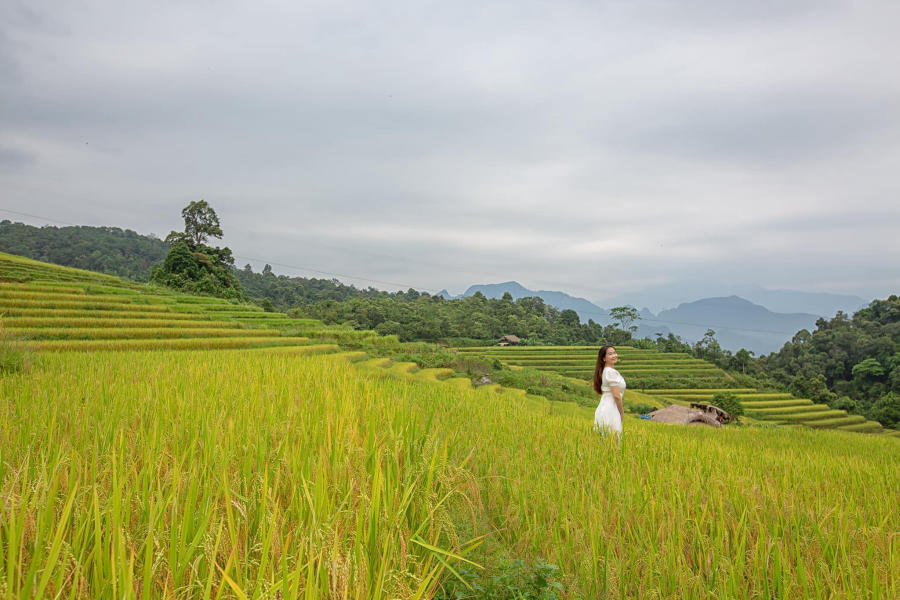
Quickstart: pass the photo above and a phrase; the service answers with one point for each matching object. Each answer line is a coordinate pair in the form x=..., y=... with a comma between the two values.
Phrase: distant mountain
x=664, y=296
x=586, y=310
x=738, y=323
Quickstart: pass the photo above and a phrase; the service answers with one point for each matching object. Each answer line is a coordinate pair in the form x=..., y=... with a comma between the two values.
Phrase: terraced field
x=49, y=308
x=682, y=379
x=294, y=471
x=270, y=473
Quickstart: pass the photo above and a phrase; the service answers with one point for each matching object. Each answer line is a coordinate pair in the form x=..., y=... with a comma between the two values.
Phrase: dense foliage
x=852, y=363
x=288, y=292
x=192, y=266
x=728, y=402
x=475, y=319
x=108, y=250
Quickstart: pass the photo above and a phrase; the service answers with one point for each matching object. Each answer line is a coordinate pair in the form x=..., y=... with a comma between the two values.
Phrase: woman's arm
x=616, y=391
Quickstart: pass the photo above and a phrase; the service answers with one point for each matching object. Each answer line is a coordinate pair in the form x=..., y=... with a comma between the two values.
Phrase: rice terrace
x=162, y=445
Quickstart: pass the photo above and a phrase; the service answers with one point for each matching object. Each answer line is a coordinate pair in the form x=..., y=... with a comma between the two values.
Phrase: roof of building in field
x=512, y=339
x=682, y=415
x=720, y=415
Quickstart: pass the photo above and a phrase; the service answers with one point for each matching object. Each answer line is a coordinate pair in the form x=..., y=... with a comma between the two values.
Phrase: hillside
x=109, y=250
x=678, y=378
x=299, y=471
x=49, y=308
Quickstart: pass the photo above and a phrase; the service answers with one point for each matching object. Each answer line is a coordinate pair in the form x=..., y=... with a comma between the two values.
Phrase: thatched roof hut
x=506, y=340
x=682, y=415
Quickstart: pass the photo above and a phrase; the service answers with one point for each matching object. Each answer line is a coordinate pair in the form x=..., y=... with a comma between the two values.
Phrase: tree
x=709, y=348
x=728, y=402
x=200, y=223
x=624, y=316
x=868, y=368
x=192, y=266
x=886, y=410
x=569, y=318
x=742, y=358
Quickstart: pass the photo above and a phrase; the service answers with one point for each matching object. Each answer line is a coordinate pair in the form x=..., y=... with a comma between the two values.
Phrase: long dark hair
x=598, y=370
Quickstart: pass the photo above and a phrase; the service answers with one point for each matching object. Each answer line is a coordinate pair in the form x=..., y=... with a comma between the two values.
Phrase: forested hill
x=109, y=250
x=852, y=363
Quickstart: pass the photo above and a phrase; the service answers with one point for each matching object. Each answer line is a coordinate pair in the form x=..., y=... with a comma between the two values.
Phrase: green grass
x=265, y=473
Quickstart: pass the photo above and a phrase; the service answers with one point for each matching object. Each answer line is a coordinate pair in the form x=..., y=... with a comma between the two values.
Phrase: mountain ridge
x=738, y=322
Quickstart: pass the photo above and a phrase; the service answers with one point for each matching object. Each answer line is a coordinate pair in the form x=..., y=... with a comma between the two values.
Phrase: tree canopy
x=192, y=266
x=120, y=252
x=847, y=360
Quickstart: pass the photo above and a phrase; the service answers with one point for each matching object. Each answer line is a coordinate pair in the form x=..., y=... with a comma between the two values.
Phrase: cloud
x=13, y=159
x=569, y=145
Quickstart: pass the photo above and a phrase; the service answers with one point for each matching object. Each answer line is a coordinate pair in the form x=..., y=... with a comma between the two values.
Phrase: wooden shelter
x=509, y=340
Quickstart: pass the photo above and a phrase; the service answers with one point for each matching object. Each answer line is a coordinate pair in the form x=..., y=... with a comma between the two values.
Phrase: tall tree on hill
x=624, y=317
x=192, y=266
x=200, y=223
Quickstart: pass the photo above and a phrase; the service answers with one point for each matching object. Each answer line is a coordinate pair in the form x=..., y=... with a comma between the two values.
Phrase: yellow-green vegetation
x=642, y=369
x=298, y=471
x=271, y=474
x=49, y=308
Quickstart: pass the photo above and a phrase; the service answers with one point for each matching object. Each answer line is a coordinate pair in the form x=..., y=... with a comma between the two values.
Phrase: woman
x=611, y=386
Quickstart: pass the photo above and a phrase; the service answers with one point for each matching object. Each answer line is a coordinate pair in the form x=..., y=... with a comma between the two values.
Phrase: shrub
x=511, y=580
x=887, y=410
x=643, y=344
x=639, y=408
x=12, y=360
x=728, y=402
x=844, y=403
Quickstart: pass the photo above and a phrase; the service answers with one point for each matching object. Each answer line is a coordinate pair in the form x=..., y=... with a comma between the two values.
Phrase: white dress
x=607, y=417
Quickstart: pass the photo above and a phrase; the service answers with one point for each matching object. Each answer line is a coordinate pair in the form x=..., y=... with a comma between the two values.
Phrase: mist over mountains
x=739, y=322
x=669, y=295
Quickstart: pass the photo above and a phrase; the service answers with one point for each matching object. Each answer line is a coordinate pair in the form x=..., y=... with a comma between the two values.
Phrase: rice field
x=650, y=371
x=278, y=466
x=46, y=308
x=269, y=473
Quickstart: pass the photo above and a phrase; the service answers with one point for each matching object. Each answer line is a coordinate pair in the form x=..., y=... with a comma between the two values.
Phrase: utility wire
x=329, y=273
x=295, y=267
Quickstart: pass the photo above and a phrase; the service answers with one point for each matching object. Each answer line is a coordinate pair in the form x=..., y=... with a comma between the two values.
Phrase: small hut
x=682, y=415
x=714, y=411
x=509, y=340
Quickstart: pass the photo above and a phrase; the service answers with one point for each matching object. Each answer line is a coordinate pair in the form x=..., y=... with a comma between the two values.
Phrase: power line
x=15, y=212
x=332, y=274
x=298, y=268
x=383, y=282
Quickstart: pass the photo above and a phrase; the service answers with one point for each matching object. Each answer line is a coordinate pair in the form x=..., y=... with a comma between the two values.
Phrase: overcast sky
x=591, y=147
